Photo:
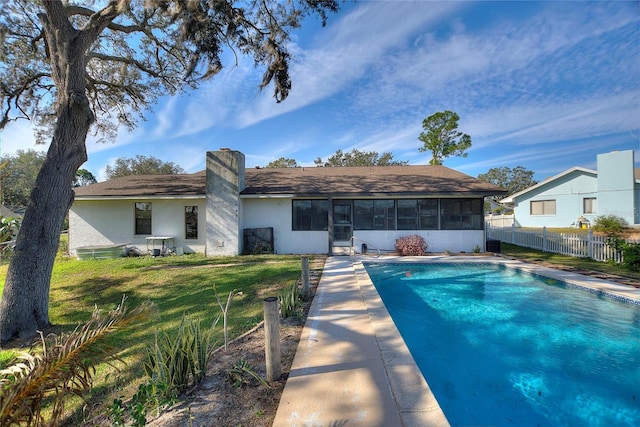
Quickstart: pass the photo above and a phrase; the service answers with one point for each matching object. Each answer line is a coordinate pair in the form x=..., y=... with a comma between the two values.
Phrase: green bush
x=630, y=252
x=611, y=225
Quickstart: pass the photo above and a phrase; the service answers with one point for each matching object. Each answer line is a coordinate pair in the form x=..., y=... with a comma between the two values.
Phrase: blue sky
x=544, y=85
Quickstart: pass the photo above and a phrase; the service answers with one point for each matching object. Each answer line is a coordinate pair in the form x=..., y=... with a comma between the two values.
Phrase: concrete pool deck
x=352, y=367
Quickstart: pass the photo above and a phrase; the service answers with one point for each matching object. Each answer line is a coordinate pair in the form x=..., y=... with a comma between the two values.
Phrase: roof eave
x=548, y=180
x=374, y=194
x=141, y=196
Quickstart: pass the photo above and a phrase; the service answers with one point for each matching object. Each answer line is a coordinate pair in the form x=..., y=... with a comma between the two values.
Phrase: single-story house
x=228, y=209
x=578, y=195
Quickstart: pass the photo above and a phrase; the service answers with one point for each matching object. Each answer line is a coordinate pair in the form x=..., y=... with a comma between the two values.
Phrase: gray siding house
x=303, y=210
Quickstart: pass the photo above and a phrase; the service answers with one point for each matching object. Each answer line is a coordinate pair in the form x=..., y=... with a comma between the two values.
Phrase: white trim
x=548, y=180
x=267, y=196
x=140, y=197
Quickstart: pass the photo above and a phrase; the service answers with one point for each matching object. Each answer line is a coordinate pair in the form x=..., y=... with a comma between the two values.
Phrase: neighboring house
x=303, y=210
x=578, y=195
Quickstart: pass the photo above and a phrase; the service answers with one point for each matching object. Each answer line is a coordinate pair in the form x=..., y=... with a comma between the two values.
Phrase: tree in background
x=513, y=180
x=84, y=177
x=75, y=67
x=360, y=158
x=442, y=138
x=142, y=165
x=19, y=175
x=283, y=162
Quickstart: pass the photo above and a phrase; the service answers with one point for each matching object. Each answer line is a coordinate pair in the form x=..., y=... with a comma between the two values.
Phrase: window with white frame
x=543, y=207
x=589, y=205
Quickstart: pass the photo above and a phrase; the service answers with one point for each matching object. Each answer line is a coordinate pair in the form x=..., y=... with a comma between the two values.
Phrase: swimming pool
x=502, y=347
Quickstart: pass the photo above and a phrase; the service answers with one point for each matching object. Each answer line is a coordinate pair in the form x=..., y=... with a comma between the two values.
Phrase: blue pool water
x=500, y=347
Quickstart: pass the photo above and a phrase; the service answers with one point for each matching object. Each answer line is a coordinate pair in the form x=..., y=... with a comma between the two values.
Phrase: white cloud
x=444, y=68
x=19, y=136
x=551, y=122
x=346, y=51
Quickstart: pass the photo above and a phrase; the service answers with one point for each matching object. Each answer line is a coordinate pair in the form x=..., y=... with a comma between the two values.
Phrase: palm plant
x=61, y=365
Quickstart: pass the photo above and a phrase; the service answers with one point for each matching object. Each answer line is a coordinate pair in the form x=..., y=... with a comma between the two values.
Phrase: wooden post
x=305, y=277
x=272, y=338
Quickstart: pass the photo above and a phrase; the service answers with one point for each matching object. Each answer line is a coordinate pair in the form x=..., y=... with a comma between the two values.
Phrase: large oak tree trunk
x=25, y=299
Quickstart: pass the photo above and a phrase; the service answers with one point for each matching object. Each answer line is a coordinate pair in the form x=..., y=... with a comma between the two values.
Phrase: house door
x=342, y=222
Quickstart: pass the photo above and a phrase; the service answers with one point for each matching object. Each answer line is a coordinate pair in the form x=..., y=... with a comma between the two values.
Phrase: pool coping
x=400, y=366
x=590, y=283
x=346, y=286
x=416, y=403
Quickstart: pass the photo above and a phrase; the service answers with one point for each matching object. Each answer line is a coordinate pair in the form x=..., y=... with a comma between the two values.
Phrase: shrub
x=630, y=252
x=180, y=361
x=611, y=225
x=411, y=245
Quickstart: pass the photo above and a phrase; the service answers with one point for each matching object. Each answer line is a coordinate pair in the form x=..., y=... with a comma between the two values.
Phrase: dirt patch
x=217, y=402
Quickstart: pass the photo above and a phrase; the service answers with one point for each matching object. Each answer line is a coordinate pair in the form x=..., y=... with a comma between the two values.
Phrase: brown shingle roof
x=146, y=185
x=307, y=181
x=363, y=181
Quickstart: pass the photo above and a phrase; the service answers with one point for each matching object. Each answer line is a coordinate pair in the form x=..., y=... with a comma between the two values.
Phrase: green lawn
x=526, y=254
x=184, y=285
x=175, y=285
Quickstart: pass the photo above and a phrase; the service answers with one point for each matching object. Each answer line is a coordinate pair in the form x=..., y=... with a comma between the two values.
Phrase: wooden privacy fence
x=573, y=244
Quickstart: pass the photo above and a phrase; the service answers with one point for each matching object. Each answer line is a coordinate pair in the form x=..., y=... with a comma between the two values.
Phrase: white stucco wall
x=437, y=240
x=276, y=213
x=107, y=222
x=568, y=192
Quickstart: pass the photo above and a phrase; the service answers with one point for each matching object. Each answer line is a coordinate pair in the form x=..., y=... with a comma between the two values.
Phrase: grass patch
x=176, y=286
x=527, y=254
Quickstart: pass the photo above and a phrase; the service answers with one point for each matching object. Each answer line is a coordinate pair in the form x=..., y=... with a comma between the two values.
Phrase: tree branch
x=85, y=11
x=129, y=61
